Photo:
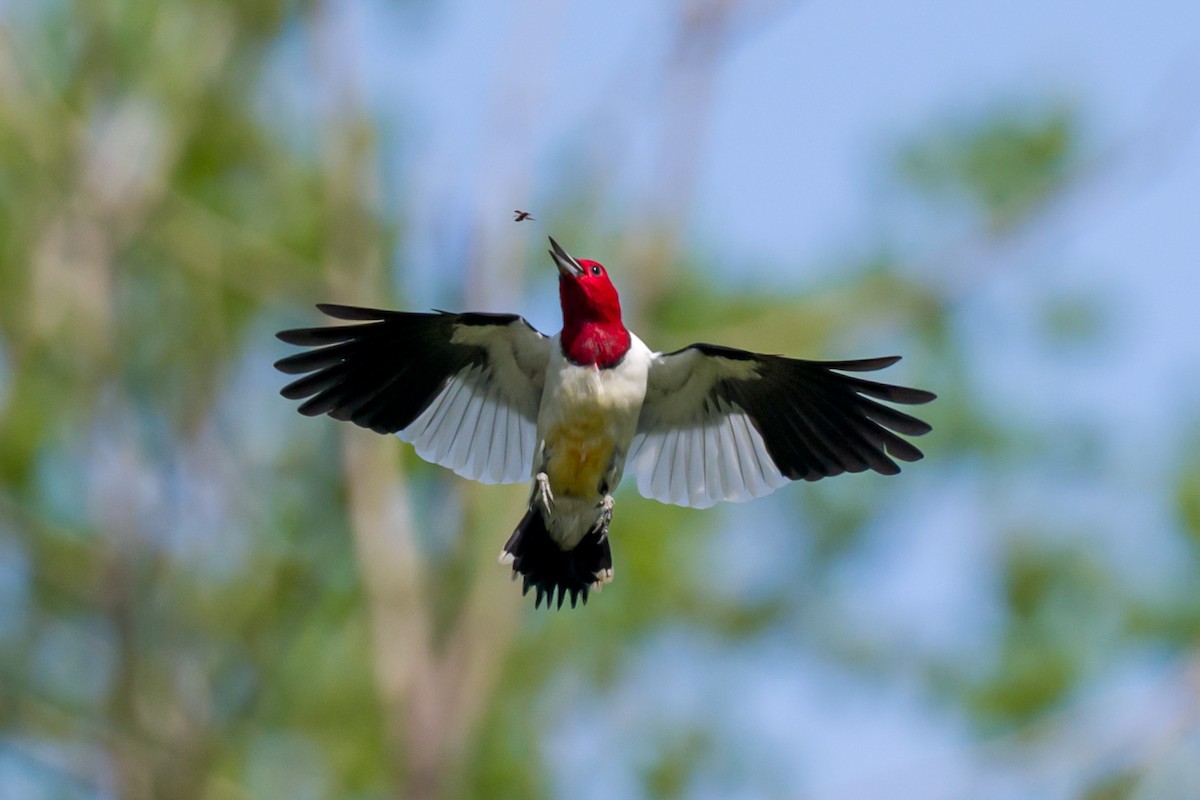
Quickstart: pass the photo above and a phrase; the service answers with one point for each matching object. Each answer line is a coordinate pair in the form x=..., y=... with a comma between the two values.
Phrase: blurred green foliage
x=1005, y=165
x=1188, y=500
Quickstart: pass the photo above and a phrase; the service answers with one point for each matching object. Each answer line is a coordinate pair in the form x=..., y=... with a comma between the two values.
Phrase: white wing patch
x=469, y=428
x=717, y=456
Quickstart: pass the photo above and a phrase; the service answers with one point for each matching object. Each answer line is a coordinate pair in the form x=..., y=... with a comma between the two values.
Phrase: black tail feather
x=549, y=569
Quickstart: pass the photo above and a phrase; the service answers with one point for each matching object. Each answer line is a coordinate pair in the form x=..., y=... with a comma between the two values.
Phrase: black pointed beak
x=567, y=265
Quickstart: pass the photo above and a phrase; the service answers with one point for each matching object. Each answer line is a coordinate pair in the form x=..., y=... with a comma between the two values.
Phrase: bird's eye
x=595, y=270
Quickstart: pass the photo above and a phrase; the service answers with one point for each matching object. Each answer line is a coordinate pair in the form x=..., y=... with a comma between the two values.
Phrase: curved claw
x=606, y=515
x=542, y=491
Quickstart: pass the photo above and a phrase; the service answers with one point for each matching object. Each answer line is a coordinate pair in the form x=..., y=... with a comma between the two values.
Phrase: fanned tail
x=544, y=566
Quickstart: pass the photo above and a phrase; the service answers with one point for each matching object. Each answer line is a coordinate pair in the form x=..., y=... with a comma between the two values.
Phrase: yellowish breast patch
x=580, y=450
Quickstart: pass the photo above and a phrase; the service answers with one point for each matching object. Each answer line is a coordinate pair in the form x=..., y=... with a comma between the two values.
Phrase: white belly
x=587, y=419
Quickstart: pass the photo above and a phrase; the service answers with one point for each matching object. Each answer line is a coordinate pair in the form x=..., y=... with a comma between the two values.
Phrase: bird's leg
x=605, y=506
x=605, y=573
x=542, y=493
x=606, y=513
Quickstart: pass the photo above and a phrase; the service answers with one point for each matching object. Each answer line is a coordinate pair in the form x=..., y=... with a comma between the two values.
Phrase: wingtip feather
x=870, y=364
x=291, y=393
x=338, y=311
x=293, y=336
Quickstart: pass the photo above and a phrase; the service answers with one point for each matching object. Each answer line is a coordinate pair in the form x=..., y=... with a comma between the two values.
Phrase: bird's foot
x=542, y=493
x=606, y=515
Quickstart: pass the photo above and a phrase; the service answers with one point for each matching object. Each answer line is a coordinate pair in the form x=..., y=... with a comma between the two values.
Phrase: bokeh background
x=205, y=595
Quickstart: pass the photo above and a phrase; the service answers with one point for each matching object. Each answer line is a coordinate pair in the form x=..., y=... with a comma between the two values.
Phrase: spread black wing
x=464, y=389
x=725, y=424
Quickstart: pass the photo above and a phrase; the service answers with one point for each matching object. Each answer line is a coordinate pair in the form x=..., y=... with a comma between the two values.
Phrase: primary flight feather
x=496, y=401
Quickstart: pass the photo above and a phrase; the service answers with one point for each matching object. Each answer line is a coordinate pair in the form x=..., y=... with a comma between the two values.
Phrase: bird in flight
x=521, y=216
x=496, y=401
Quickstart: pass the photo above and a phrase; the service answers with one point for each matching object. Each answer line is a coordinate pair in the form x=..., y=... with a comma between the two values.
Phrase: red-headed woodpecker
x=498, y=402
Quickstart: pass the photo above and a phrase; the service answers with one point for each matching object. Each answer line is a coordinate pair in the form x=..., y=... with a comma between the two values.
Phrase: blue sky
x=807, y=105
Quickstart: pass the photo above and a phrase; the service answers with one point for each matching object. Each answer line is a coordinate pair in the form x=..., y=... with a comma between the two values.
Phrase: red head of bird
x=593, y=333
